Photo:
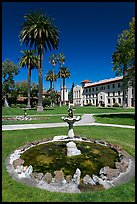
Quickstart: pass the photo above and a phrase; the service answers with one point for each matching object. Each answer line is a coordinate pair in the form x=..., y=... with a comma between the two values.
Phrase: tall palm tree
x=39, y=31
x=61, y=59
x=29, y=60
x=53, y=61
x=64, y=73
x=51, y=76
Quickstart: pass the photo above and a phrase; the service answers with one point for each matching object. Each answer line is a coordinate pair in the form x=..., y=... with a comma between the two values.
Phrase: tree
x=51, y=76
x=39, y=31
x=124, y=56
x=52, y=60
x=70, y=95
x=64, y=73
x=9, y=70
x=29, y=60
x=61, y=59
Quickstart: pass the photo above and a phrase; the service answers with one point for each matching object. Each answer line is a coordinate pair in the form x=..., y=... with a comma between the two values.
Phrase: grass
x=38, y=120
x=13, y=191
x=121, y=119
x=64, y=110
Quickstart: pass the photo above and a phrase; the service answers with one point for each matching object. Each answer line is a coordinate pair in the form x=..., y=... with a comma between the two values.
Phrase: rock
x=88, y=180
x=68, y=178
x=18, y=162
x=109, y=173
x=35, y=142
x=48, y=177
x=72, y=149
x=95, y=179
x=19, y=169
x=40, y=176
x=59, y=177
x=76, y=177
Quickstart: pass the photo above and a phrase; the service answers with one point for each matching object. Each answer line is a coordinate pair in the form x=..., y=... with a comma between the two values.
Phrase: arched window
x=119, y=100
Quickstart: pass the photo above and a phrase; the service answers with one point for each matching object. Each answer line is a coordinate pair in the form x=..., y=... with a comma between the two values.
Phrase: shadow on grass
x=131, y=116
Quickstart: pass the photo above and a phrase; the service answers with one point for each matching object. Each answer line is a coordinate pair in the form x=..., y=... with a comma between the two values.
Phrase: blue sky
x=88, y=36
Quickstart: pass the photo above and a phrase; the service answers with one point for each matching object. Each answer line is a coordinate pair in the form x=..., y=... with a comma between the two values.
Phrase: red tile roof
x=105, y=81
x=86, y=81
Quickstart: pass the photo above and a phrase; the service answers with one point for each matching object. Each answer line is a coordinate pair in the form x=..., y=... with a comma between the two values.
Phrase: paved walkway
x=86, y=119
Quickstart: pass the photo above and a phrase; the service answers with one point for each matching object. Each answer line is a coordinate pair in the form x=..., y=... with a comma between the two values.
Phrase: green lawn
x=40, y=119
x=121, y=119
x=64, y=110
x=13, y=191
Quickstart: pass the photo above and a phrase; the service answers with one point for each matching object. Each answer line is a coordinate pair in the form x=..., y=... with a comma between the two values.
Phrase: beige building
x=105, y=93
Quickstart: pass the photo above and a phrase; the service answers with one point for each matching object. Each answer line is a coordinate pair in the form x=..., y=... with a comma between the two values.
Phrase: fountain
x=24, y=117
x=60, y=165
x=70, y=119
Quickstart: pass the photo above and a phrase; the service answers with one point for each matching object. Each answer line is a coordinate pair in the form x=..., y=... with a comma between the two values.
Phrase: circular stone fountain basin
x=45, y=164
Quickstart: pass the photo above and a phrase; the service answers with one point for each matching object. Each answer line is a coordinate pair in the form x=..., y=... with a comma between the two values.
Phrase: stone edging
x=108, y=178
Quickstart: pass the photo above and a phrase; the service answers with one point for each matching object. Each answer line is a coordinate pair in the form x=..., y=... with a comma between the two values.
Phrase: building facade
x=104, y=93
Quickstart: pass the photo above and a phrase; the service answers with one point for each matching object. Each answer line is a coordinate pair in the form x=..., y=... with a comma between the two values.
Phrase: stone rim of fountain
x=64, y=186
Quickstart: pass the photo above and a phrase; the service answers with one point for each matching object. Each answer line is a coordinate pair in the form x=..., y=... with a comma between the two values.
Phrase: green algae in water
x=52, y=156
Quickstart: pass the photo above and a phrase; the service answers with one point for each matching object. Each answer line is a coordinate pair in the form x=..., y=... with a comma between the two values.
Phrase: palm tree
x=61, y=59
x=52, y=60
x=39, y=31
x=64, y=73
x=29, y=60
x=51, y=76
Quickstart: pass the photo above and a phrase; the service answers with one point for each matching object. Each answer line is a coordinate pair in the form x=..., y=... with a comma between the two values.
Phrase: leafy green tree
x=64, y=73
x=51, y=76
x=9, y=70
x=39, y=31
x=124, y=56
x=21, y=88
x=34, y=90
x=70, y=95
x=29, y=60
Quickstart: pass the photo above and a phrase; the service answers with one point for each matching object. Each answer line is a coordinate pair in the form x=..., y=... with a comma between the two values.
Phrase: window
x=101, y=97
x=96, y=88
x=86, y=90
x=113, y=100
x=118, y=84
x=92, y=89
x=89, y=89
x=113, y=93
x=108, y=100
x=113, y=86
x=108, y=86
x=119, y=93
x=104, y=87
x=108, y=93
x=119, y=100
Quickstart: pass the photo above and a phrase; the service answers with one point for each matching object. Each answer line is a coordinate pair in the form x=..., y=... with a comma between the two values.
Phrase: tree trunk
x=124, y=88
x=29, y=76
x=40, y=87
x=63, y=91
x=6, y=102
x=60, y=84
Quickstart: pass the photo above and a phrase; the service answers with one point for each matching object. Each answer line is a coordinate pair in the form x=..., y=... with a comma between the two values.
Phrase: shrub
x=115, y=105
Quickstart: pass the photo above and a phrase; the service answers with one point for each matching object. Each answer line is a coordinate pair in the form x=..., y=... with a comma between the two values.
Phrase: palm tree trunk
x=64, y=91
x=29, y=76
x=50, y=85
x=5, y=102
x=40, y=88
x=60, y=84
